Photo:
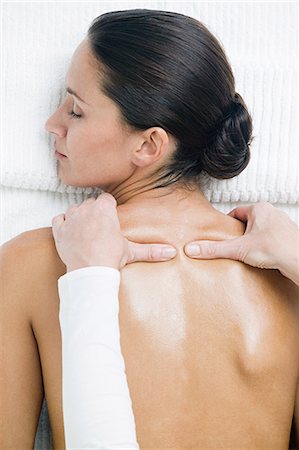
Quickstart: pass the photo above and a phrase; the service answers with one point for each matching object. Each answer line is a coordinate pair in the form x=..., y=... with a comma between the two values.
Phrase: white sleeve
x=97, y=407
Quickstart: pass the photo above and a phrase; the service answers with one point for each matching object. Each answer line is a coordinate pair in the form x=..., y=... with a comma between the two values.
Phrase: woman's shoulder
x=32, y=252
x=28, y=238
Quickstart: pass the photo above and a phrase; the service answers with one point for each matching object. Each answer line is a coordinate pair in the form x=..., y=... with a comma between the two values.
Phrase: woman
x=153, y=105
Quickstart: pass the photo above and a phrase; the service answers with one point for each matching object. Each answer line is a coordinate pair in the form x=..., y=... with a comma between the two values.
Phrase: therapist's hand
x=89, y=234
x=270, y=241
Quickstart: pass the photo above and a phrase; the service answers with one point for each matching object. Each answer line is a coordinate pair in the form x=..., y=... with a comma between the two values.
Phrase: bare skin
x=271, y=241
x=211, y=347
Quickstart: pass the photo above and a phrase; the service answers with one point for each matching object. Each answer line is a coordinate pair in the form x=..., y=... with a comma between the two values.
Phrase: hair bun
x=229, y=152
x=185, y=95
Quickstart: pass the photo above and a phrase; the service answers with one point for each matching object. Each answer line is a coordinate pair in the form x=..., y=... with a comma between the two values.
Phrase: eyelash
x=76, y=116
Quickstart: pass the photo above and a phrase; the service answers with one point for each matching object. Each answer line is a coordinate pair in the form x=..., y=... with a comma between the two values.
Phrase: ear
x=154, y=146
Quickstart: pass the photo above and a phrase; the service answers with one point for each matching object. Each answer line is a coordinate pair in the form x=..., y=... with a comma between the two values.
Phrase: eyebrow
x=70, y=91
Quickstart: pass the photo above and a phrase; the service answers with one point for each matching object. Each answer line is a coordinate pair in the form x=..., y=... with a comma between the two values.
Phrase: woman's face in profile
x=96, y=145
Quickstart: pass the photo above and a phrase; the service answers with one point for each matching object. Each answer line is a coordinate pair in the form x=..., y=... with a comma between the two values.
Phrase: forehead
x=82, y=77
x=82, y=68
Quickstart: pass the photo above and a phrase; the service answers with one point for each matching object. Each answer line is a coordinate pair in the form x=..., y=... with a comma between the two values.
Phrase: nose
x=47, y=125
x=55, y=125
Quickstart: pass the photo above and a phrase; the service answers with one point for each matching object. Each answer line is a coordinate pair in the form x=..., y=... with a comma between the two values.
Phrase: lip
x=59, y=155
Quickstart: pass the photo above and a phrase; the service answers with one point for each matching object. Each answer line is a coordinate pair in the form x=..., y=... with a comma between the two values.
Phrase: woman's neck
x=174, y=195
x=174, y=214
x=136, y=192
x=175, y=207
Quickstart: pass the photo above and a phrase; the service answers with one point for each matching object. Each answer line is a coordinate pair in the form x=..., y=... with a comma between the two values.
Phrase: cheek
x=95, y=148
x=105, y=141
x=99, y=152
x=77, y=133
x=92, y=134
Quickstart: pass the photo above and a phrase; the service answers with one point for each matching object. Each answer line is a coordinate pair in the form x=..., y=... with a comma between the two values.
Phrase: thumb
x=149, y=252
x=232, y=249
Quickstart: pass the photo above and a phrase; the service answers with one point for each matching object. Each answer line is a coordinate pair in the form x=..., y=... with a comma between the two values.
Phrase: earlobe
x=153, y=148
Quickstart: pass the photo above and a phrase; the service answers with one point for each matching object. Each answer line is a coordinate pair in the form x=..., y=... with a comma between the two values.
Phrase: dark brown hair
x=167, y=69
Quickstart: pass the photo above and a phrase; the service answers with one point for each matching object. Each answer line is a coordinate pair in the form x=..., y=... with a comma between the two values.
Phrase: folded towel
x=259, y=39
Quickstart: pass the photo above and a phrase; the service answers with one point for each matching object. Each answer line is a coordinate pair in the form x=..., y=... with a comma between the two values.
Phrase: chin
x=68, y=178
x=69, y=181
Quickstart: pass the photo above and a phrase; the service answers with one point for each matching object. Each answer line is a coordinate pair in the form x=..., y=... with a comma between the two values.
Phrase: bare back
x=211, y=347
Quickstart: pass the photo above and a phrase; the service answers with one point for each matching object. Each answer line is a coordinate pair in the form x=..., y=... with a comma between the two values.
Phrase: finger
x=108, y=207
x=106, y=197
x=241, y=212
x=232, y=249
x=150, y=252
x=56, y=222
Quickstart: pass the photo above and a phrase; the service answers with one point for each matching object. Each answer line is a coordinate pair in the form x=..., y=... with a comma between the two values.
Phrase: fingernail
x=193, y=249
x=168, y=252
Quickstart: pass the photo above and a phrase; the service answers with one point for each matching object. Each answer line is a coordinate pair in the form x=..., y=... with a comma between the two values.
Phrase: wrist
x=113, y=265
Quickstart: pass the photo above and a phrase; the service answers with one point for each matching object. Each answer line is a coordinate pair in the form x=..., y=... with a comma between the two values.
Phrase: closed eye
x=76, y=116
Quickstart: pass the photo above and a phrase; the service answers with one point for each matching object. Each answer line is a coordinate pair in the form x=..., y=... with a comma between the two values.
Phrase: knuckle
x=242, y=252
x=72, y=208
x=57, y=217
x=130, y=254
x=264, y=206
x=151, y=253
x=87, y=202
x=211, y=249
